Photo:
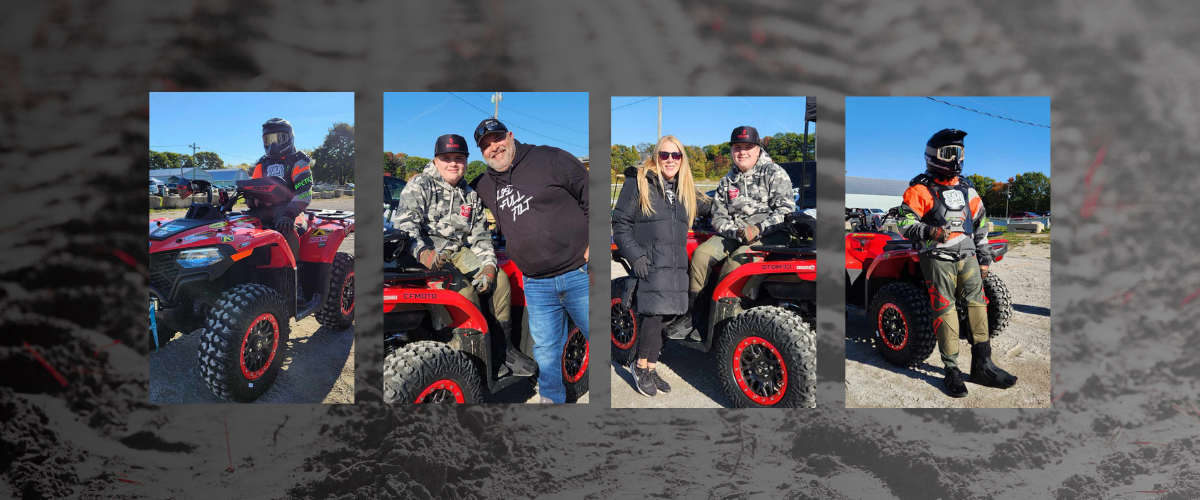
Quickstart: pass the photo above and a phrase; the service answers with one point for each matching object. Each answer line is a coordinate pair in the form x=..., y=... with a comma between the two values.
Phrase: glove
x=485, y=280
x=433, y=260
x=983, y=272
x=641, y=267
x=285, y=222
x=749, y=233
x=937, y=233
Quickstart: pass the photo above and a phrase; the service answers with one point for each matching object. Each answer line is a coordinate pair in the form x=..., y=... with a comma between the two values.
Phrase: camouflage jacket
x=443, y=217
x=763, y=195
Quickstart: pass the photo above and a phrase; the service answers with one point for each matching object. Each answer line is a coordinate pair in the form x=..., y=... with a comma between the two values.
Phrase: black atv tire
x=575, y=362
x=430, y=372
x=999, y=309
x=226, y=333
x=624, y=326
x=916, y=338
x=338, y=312
x=785, y=346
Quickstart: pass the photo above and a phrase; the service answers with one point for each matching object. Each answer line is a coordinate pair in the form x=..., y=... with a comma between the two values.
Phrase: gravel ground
x=319, y=367
x=1023, y=349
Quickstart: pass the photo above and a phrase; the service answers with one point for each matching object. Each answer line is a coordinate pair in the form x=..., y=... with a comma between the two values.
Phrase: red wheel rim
x=442, y=391
x=348, y=294
x=621, y=324
x=893, y=327
x=760, y=371
x=263, y=327
x=575, y=356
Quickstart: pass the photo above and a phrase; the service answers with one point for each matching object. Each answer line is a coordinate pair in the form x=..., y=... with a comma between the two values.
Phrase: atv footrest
x=330, y=214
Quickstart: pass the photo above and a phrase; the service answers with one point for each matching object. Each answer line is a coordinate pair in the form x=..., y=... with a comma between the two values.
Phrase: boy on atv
x=444, y=220
x=943, y=214
x=283, y=161
x=748, y=208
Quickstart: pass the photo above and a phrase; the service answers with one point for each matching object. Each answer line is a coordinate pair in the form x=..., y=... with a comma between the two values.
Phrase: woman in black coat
x=650, y=228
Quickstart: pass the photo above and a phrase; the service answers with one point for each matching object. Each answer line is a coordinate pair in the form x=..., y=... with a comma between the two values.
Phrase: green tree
x=413, y=165
x=158, y=160
x=333, y=160
x=993, y=197
x=393, y=163
x=698, y=161
x=475, y=169
x=208, y=160
x=623, y=157
x=1030, y=192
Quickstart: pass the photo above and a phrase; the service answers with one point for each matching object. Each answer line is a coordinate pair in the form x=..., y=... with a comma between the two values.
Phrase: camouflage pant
x=732, y=251
x=464, y=268
x=948, y=281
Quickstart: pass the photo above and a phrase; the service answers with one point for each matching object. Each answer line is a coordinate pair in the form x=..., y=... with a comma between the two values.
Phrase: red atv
x=760, y=320
x=440, y=346
x=238, y=282
x=883, y=271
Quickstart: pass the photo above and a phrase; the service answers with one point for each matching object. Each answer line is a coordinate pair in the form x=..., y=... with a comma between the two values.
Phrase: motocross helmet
x=278, y=140
x=944, y=153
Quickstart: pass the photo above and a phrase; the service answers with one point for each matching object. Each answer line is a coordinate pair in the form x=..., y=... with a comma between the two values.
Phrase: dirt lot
x=319, y=367
x=1023, y=349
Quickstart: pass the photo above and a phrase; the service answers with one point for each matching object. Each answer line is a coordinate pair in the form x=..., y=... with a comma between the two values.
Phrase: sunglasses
x=662, y=155
x=488, y=127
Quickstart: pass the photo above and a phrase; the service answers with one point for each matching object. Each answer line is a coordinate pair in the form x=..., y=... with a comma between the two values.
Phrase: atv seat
x=413, y=275
x=895, y=245
x=786, y=250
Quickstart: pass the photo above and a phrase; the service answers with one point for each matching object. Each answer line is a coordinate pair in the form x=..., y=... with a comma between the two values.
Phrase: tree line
x=1030, y=192
x=406, y=166
x=332, y=161
x=713, y=161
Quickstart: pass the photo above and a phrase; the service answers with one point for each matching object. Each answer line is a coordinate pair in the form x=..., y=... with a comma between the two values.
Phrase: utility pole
x=1007, y=199
x=660, y=117
x=193, y=146
x=496, y=98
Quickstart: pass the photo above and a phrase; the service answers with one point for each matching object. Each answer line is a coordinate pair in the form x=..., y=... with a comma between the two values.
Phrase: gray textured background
x=73, y=82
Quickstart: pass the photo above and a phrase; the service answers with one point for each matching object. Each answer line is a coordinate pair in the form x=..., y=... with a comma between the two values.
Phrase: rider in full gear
x=944, y=214
x=446, y=225
x=291, y=168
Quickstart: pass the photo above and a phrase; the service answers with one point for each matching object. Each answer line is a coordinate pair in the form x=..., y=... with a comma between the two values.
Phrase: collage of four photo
x=712, y=254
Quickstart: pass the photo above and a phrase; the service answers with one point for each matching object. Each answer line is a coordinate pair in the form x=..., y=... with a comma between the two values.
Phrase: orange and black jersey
x=295, y=170
x=925, y=204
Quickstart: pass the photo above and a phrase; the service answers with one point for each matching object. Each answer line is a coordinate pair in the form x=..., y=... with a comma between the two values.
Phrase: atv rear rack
x=414, y=275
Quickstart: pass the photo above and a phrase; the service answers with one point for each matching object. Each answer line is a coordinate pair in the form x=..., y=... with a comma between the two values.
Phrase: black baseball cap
x=451, y=143
x=488, y=126
x=744, y=134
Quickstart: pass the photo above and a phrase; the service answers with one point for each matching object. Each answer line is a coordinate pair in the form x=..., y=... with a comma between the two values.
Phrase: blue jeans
x=549, y=301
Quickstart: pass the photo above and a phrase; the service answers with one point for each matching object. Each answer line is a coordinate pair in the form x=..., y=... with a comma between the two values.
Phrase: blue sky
x=230, y=123
x=885, y=136
x=700, y=121
x=412, y=121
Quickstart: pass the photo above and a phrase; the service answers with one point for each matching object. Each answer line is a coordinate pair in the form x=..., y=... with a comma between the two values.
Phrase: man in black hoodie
x=538, y=195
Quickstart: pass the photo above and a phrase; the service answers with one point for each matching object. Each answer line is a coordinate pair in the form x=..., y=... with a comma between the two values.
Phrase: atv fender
x=323, y=238
x=463, y=313
x=891, y=266
x=734, y=285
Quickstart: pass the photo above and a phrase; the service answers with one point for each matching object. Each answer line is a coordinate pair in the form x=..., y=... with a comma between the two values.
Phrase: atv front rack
x=329, y=214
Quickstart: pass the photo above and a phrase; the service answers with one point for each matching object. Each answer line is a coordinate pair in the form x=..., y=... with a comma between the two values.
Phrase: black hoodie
x=541, y=206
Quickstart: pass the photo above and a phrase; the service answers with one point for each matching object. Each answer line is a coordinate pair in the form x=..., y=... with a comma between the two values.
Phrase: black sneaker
x=659, y=383
x=643, y=380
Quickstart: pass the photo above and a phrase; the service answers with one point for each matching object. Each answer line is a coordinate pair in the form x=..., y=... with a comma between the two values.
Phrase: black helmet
x=278, y=139
x=944, y=153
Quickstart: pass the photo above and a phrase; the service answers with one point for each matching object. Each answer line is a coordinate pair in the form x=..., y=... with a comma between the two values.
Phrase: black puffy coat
x=661, y=237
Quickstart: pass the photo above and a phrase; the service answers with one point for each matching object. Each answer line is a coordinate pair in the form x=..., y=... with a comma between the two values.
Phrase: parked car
x=1023, y=216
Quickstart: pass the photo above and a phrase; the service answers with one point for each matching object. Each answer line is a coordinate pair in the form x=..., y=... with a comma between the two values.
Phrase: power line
x=507, y=122
x=541, y=120
x=632, y=103
x=988, y=114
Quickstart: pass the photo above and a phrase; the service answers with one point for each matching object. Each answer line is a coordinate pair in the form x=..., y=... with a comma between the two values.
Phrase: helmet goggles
x=950, y=153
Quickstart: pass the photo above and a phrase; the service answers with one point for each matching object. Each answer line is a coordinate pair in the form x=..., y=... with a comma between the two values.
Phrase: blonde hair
x=687, y=188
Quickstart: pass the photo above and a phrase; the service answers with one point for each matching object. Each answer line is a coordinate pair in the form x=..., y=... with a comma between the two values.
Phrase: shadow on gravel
x=1040, y=311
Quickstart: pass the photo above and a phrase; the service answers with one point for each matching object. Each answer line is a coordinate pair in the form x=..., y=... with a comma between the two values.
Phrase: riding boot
x=984, y=372
x=520, y=364
x=954, y=383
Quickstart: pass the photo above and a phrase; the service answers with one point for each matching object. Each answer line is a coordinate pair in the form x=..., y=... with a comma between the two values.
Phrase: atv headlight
x=198, y=257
